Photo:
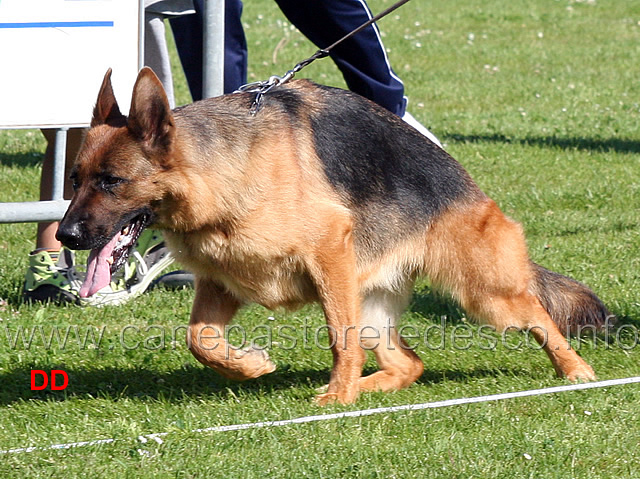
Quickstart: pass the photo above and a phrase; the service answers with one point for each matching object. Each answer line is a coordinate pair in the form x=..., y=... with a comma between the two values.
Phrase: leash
x=263, y=87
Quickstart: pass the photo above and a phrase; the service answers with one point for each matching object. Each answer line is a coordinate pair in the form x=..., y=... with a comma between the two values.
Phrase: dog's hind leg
x=213, y=309
x=399, y=365
x=523, y=311
x=480, y=256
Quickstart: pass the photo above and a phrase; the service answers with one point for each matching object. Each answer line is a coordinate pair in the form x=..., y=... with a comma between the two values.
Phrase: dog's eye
x=75, y=184
x=109, y=182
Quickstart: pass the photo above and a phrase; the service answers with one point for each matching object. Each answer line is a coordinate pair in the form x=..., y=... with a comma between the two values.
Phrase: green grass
x=539, y=101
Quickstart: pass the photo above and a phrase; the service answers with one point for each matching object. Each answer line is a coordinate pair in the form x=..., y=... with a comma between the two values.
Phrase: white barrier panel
x=54, y=54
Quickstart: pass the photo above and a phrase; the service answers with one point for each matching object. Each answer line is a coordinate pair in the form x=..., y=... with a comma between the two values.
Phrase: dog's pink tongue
x=98, y=269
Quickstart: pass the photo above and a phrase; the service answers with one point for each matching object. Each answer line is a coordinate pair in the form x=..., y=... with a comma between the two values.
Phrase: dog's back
x=393, y=180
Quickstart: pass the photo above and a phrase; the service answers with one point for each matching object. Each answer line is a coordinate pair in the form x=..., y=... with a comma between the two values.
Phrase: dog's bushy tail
x=573, y=306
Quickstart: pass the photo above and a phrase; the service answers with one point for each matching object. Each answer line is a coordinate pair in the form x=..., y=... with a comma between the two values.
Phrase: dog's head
x=117, y=177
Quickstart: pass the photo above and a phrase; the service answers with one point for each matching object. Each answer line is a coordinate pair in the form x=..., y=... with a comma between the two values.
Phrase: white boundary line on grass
x=349, y=414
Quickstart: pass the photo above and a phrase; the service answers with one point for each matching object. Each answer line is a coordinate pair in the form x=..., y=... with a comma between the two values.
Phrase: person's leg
x=188, y=32
x=46, y=237
x=235, y=47
x=362, y=58
x=50, y=275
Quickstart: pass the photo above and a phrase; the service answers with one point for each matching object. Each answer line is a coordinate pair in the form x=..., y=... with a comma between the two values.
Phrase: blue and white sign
x=54, y=54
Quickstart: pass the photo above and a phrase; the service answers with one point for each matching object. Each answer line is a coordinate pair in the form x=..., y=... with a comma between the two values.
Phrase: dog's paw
x=322, y=389
x=326, y=398
x=582, y=373
x=254, y=363
x=346, y=397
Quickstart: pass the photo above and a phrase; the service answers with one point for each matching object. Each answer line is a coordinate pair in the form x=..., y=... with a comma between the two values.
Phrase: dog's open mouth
x=105, y=261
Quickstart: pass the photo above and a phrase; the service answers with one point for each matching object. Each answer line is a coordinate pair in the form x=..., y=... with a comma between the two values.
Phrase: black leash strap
x=263, y=87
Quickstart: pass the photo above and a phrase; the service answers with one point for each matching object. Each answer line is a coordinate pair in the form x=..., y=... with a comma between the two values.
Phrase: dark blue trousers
x=188, y=33
x=361, y=59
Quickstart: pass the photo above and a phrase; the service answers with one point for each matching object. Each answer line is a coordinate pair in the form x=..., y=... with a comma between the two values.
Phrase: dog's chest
x=252, y=271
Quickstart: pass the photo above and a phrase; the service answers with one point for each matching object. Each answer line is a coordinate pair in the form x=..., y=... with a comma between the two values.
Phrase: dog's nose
x=69, y=234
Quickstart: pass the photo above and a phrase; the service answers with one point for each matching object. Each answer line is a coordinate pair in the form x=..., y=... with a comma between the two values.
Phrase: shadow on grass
x=21, y=160
x=189, y=382
x=434, y=376
x=193, y=381
x=434, y=306
x=613, y=226
x=115, y=383
x=11, y=290
x=618, y=145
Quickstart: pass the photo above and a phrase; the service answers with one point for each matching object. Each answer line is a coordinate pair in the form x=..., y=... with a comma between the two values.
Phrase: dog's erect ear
x=106, y=109
x=150, y=119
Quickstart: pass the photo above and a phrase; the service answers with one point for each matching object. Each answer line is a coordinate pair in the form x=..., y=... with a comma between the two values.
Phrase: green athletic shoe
x=51, y=277
x=147, y=260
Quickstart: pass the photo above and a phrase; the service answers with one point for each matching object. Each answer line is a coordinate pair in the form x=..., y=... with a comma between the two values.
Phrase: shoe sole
x=174, y=280
x=48, y=293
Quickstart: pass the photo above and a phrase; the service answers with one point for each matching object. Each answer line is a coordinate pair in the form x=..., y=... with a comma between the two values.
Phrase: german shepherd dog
x=320, y=196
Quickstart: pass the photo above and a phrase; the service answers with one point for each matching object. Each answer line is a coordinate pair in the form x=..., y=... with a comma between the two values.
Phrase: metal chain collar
x=263, y=87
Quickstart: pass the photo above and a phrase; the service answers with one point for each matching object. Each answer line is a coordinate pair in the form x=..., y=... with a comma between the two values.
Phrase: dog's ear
x=106, y=109
x=150, y=119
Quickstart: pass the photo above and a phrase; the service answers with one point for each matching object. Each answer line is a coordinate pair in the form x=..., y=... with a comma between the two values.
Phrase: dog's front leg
x=338, y=289
x=213, y=309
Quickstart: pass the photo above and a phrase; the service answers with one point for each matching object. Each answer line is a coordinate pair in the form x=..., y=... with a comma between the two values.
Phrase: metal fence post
x=59, y=163
x=213, y=42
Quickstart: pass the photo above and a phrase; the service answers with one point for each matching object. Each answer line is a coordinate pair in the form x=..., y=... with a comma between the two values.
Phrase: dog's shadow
x=434, y=306
x=143, y=383
x=189, y=382
x=192, y=381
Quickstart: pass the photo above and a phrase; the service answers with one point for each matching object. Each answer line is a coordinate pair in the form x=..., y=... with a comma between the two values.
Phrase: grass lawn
x=539, y=100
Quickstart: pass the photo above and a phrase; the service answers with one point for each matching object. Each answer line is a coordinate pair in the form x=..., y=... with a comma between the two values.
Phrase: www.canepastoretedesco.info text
x=431, y=336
